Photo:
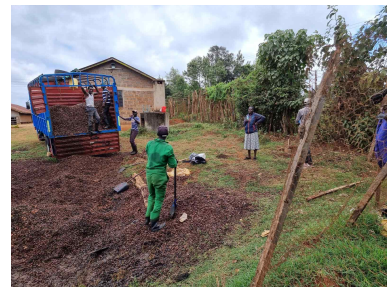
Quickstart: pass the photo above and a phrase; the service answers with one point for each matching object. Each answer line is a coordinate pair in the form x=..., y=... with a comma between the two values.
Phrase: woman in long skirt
x=251, y=141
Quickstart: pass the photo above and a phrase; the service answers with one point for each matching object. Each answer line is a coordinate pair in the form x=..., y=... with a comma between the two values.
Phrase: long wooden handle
x=175, y=183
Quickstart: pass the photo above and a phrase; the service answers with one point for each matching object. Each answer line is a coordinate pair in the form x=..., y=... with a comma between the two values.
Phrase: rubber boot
x=134, y=150
x=90, y=131
x=155, y=227
x=147, y=221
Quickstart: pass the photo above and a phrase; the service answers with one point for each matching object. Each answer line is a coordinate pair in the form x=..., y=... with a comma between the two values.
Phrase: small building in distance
x=20, y=115
x=136, y=89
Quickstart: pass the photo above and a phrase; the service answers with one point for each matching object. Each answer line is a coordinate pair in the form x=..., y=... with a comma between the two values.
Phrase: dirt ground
x=68, y=229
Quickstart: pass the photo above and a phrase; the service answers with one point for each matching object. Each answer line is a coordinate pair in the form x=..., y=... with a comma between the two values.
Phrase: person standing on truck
x=159, y=154
x=106, y=105
x=90, y=109
x=300, y=120
x=135, y=121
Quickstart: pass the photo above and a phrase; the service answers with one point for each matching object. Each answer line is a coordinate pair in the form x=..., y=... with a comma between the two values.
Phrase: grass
x=25, y=143
x=346, y=256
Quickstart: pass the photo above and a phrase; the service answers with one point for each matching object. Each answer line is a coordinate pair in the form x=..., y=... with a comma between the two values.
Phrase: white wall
x=159, y=95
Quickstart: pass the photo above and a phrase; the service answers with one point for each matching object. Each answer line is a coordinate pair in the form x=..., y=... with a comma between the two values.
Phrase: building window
x=120, y=97
x=14, y=121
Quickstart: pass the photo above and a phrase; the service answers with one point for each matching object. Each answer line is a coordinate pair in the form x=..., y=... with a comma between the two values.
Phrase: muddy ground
x=68, y=229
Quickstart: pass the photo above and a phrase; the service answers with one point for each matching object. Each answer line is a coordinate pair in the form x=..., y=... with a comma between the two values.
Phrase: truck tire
x=41, y=137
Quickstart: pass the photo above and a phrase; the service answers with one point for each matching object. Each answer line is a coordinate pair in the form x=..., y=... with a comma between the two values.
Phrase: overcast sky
x=150, y=38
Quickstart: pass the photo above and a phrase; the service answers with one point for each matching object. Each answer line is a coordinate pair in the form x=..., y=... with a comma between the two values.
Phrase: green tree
x=176, y=86
x=284, y=60
x=193, y=73
x=349, y=116
x=241, y=68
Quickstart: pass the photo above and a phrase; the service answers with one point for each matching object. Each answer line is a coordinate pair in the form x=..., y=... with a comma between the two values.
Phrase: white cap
x=307, y=101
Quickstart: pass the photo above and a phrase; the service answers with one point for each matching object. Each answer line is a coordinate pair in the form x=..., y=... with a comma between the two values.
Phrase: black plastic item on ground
x=198, y=160
x=121, y=187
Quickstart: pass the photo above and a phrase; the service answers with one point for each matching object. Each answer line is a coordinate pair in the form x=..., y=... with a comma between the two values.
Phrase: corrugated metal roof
x=20, y=109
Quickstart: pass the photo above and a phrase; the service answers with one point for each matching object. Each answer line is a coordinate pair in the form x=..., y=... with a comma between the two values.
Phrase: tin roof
x=120, y=62
x=20, y=109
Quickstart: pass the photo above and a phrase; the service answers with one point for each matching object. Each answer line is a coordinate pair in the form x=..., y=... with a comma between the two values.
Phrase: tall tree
x=176, y=86
x=241, y=69
x=193, y=73
x=222, y=62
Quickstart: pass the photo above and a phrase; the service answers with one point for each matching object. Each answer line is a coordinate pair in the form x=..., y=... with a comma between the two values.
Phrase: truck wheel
x=41, y=137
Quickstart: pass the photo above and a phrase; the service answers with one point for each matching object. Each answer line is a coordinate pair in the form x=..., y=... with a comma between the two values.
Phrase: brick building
x=136, y=89
x=20, y=115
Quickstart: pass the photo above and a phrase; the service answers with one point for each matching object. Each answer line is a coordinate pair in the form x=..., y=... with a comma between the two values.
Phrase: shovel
x=174, y=205
x=124, y=185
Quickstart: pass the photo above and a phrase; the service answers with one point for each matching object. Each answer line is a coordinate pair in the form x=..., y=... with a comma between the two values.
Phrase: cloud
x=150, y=38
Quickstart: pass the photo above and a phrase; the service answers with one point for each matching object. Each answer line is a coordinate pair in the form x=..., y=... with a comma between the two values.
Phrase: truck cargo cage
x=64, y=89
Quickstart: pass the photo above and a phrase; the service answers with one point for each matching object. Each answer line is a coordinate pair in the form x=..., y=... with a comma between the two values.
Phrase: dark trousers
x=107, y=115
x=132, y=140
x=308, y=159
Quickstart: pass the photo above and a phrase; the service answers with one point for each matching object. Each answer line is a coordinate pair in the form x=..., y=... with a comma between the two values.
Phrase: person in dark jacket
x=380, y=148
x=135, y=122
x=251, y=141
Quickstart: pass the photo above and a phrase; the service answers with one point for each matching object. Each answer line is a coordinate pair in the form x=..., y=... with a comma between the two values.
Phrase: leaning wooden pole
x=368, y=195
x=295, y=171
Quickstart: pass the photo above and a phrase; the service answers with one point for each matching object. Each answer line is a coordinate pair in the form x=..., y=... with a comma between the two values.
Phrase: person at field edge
x=90, y=109
x=300, y=120
x=251, y=141
x=380, y=148
x=135, y=121
x=159, y=154
x=106, y=105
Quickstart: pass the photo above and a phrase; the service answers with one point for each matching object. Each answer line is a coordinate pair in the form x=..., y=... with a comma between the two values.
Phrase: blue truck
x=64, y=89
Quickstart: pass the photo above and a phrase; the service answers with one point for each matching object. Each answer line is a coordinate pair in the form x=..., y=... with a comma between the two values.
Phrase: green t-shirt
x=159, y=153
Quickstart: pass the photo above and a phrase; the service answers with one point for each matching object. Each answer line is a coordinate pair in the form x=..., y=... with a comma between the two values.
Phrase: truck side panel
x=87, y=144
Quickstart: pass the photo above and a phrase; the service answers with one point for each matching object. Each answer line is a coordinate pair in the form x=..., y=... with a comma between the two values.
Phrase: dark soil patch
x=69, y=230
x=70, y=120
x=222, y=156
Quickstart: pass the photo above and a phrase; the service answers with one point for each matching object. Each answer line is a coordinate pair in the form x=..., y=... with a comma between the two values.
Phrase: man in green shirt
x=159, y=153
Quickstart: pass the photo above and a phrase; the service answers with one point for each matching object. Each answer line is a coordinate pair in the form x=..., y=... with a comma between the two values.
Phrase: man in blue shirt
x=380, y=148
x=135, y=122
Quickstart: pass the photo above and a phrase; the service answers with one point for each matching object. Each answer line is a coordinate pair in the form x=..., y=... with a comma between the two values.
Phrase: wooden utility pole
x=295, y=171
x=368, y=195
x=371, y=150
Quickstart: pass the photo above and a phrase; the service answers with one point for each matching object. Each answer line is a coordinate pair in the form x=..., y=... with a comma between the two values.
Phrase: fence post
x=368, y=195
x=293, y=176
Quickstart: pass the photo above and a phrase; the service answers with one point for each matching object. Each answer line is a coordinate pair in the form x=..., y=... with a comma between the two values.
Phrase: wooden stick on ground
x=368, y=195
x=294, y=172
x=141, y=186
x=332, y=190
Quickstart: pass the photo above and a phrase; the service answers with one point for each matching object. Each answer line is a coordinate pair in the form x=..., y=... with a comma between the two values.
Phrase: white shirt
x=90, y=100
